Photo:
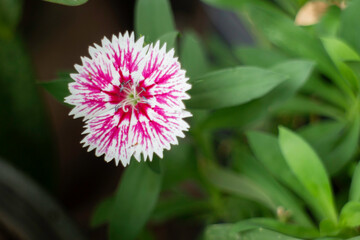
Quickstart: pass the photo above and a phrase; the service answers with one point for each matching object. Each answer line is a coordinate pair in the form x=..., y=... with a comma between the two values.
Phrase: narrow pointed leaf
x=309, y=170
x=153, y=18
x=354, y=194
x=298, y=72
x=134, y=201
x=350, y=215
x=58, y=88
x=234, y=86
x=192, y=56
x=68, y=2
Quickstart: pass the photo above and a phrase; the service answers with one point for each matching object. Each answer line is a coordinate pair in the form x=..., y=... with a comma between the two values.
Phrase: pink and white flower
x=130, y=97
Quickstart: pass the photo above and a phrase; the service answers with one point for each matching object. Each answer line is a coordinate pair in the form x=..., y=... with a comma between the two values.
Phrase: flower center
x=132, y=96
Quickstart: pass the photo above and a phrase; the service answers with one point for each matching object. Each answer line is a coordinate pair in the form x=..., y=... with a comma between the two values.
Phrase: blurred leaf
x=328, y=92
x=230, y=87
x=354, y=194
x=329, y=22
x=309, y=170
x=328, y=228
x=340, y=52
x=102, y=212
x=349, y=17
x=179, y=206
x=233, y=4
x=134, y=201
x=314, y=135
x=179, y=164
x=239, y=116
x=345, y=148
x=252, y=229
x=170, y=39
x=192, y=56
x=68, y=2
x=222, y=55
x=237, y=184
x=58, y=88
x=350, y=215
x=10, y=14
x=222, y=232
x=281, y=31
x=289, y=6
x=355, y=66
x=25, y=134
x=278, y=194
x=301, y=105
x=155, y=165
x=265, y=234
x=272, y=158
x=153, y=18
x=259, y=57
x=284, y=228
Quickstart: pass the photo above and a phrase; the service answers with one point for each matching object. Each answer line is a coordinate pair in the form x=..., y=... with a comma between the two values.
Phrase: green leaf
x=282, y=32
x=265, y=234
x=309, y=170
x=301, y=105
x=179, y=164
x=102, y=212
x=349, y=17
x=237, y=184
x=135, y=199
x=68, y=2
x=10, y=14
x=239, y=116
x=260, y=57
x=58, y=88
x=252, y=229
x=354, y=194
x=278, y=194
x=272, y=158
x=285, y=228
x=339, y=52
x=155, y=165
x=170, y=39
x=153, y=18
x=329, y=228
x=345, y=149
x=329, y=22
x=222, y=232
x=179, y=206
x=192, y=56
x=327, y=92
x=350, y=215
x=314, y=135
x=25, y=131
x=230, y=87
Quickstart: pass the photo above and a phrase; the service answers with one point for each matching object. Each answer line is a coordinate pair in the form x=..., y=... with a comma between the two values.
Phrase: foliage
x=251, y=184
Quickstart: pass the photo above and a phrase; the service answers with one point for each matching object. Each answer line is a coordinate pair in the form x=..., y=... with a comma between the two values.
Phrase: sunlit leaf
x=350, y=215
x=354, y=194
x=309, y=170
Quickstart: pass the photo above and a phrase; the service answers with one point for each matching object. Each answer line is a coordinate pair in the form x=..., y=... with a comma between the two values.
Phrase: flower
x=130, y=97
